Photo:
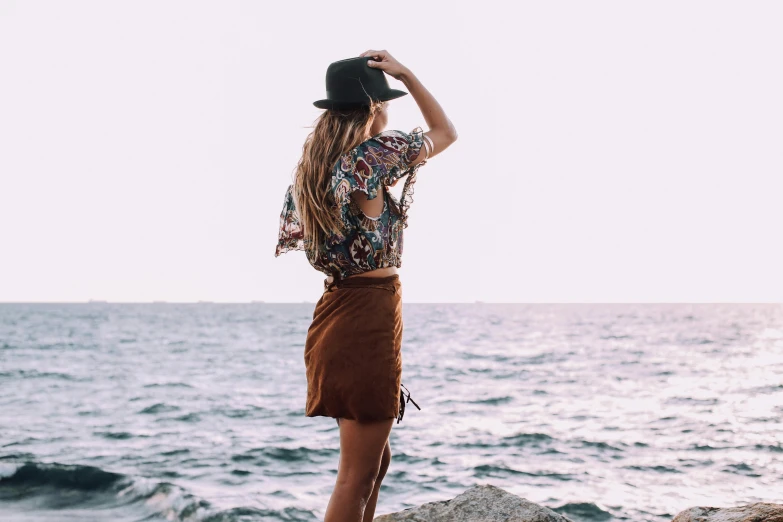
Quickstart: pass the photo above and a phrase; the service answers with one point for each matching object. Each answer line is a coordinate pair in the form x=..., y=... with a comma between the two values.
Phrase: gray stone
x=758, y=512
x=481, y=503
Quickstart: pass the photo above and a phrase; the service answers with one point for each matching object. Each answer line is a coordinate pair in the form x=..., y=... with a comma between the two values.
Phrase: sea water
x=120, y=412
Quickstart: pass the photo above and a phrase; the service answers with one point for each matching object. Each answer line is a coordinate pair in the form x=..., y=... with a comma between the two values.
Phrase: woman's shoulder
x=393, y=139
x=398, y=140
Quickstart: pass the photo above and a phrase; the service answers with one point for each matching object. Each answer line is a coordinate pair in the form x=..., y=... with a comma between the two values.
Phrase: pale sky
x=609, y=151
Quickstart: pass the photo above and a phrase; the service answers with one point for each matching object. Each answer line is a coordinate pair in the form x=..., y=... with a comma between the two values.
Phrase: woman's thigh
x=362, y=445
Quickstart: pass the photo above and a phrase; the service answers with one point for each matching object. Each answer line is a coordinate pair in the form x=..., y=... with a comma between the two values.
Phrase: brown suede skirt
x=353, y=352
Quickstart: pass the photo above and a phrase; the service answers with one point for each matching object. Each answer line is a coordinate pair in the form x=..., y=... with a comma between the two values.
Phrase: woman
x=340, y=211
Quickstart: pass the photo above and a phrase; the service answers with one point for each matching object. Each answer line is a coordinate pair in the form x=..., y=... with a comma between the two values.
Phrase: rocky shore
x=487, y=503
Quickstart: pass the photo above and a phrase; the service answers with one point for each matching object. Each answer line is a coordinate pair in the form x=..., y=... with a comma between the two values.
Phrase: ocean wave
x=80, y=487
x=492, y=401
x=159, y=407
x=35, y=374
x=289, y=455
x=502, y=471
x=656, y=469
x=168, y=385
x=117, y=435
x=518, y=440
x=87, y=478
x=524, y=439
x=251, y=514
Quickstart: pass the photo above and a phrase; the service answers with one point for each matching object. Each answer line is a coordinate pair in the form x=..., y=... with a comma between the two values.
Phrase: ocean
x=195, y=412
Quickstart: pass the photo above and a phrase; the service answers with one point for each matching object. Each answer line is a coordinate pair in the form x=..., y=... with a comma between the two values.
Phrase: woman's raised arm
x=442, y=132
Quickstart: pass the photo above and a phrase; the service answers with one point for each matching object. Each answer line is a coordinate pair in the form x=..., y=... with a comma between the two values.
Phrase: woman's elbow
x=452, y=134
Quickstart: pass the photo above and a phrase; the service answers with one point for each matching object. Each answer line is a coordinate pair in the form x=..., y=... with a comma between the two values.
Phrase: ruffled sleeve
x=377, y=162
x=290, y=235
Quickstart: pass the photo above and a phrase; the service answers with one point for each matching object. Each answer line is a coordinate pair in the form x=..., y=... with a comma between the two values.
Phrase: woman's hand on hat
x=385, y=62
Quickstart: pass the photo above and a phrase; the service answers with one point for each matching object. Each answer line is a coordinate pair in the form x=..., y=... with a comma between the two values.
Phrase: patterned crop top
x=364, y=243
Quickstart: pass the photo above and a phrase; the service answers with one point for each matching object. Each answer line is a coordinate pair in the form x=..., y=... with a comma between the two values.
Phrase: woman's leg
x=362, y=445
x=369, y=511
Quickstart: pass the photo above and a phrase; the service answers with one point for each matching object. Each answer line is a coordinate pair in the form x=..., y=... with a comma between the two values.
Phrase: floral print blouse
x=364, y=243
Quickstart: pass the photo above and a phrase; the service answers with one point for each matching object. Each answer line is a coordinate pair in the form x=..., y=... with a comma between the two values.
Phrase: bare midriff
x=378, y=272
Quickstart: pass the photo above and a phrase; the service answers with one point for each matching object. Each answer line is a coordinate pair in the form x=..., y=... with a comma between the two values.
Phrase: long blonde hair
x=336, y=131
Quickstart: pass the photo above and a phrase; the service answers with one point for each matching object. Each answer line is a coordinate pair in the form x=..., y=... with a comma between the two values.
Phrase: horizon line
x=477, y=301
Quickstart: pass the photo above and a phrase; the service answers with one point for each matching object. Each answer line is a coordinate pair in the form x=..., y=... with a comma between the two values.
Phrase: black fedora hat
x=351, y=83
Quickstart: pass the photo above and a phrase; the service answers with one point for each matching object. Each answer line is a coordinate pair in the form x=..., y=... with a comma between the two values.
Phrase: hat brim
x=391, y=94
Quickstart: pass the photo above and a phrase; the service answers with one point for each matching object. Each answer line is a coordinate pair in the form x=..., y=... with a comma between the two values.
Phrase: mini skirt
x=352, y=355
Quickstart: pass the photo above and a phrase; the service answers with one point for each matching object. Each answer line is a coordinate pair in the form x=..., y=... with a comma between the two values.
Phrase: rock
x=481, y=503
x=758, y=512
